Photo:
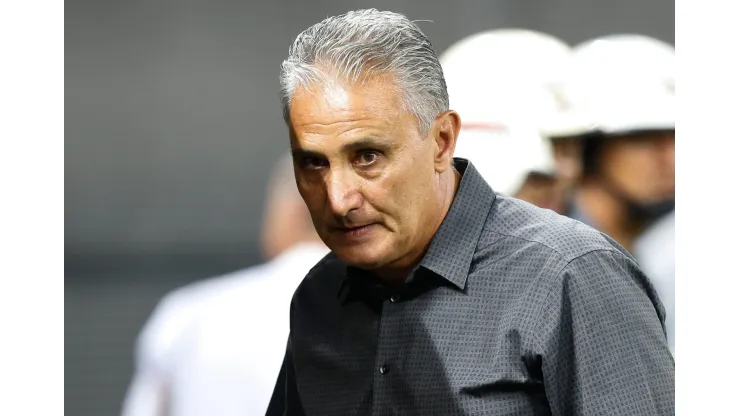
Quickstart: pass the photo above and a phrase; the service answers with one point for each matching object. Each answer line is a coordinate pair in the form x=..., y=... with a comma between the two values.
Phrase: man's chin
x=360, y=258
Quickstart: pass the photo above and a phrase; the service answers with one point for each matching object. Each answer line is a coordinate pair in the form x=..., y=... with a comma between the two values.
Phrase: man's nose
x=343, y=192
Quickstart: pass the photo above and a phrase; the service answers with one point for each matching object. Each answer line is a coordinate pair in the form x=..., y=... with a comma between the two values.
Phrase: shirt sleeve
x=603, y=343
x=285, y=400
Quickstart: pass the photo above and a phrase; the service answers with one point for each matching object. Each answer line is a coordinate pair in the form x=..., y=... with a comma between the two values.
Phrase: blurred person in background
x=655, y=249
x=498, y=81
x=617, y=128
x=441, y=296
x=215, y=347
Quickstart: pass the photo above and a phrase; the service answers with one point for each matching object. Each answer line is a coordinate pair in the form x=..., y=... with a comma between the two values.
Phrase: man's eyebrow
x=299, y=153
x=370, y=142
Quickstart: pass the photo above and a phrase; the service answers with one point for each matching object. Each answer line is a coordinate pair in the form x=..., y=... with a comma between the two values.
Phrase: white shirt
x=655, y=250
x=216, y=347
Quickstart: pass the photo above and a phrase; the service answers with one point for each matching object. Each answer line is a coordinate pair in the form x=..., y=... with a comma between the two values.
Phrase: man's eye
x=367, y=157
x=313, y=162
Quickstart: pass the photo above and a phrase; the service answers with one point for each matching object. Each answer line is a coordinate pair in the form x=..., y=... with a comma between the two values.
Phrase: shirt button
x=384, y=369
x=395, y=298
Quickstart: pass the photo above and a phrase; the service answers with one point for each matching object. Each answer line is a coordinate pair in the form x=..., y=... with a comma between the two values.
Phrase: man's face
x=642, y=165
x=369, y=178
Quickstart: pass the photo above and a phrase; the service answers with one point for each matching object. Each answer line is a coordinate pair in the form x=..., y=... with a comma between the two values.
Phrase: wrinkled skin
x=376, y=187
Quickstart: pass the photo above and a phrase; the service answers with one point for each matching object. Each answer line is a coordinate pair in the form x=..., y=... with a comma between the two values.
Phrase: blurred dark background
x=172, y=122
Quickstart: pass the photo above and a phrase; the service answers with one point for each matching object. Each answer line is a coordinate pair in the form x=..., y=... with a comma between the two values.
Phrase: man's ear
x=444, y=131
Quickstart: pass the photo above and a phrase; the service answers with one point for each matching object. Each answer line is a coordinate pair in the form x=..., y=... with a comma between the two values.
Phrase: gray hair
x=359, y=44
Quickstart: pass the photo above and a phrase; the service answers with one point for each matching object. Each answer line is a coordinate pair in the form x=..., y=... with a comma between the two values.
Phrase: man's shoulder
x=514, y=220
x=287, y=269
x=321, y=284
x=206, y=289
x=325, y=275
x=183, y=303
x=176, y=311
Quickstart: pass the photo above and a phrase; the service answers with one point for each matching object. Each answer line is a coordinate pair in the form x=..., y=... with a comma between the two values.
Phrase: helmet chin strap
x=639, y=212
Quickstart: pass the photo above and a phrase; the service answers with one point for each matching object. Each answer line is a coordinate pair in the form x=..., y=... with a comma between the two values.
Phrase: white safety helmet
x=618, y=84
x=498, y=81
x=505, y=153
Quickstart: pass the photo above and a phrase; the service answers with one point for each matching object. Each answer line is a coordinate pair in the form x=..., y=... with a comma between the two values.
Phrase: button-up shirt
x=513, y=310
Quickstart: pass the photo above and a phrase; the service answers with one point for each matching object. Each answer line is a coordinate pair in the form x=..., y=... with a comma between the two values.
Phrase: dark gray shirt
x=514, y=310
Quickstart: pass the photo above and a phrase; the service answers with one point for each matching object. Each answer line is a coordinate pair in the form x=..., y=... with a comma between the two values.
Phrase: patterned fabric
x=514, y=310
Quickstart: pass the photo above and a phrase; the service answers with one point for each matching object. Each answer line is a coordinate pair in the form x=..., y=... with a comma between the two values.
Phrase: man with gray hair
x=440, y=296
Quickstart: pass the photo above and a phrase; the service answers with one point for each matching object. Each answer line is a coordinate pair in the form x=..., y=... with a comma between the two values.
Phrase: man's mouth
x=358, y=231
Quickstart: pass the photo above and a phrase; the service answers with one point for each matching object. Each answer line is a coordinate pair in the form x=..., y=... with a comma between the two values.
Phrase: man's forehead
x=335, y=95
x=344, y=136
x=333, y=99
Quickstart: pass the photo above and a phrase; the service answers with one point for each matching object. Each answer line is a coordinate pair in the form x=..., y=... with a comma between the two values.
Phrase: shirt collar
x=453, y=245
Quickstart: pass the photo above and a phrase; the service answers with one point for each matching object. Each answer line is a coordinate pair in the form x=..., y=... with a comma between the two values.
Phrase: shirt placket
x=386, y=362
